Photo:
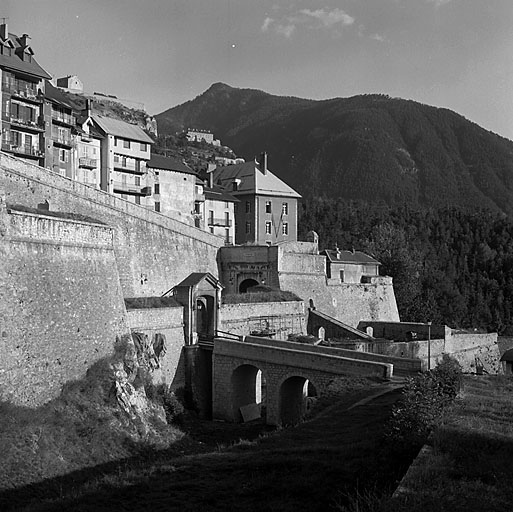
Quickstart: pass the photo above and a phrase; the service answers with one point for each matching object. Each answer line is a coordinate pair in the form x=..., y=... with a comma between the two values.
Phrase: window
x=227, y=204
x=126, y=144
x=63, y=155
x=342, y=276
x=212, y=229
x=157, y=188
x=137, y=181
x=268, y=228
x=115, y=141
x=285, y=208
x=285, y=228
x=226, y=219
x=248, y=228
x=268, y=207
x=143, y=146
x=137, y=200
x=248, y=207
x=227, y=236
x=157, y=206
x=211, y=216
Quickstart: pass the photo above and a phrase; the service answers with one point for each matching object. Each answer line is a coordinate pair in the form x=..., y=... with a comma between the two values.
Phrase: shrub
x=173, y=408
x=421, y=406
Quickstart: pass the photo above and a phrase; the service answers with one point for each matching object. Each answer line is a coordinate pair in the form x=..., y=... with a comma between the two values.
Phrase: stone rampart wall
x=61, y=304
x=169, y=322
x=283, y=318
x=349, y=303
x=154, y=252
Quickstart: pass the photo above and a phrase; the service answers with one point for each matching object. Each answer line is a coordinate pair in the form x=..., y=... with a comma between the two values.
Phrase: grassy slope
x=307, y=468
x=470, y=465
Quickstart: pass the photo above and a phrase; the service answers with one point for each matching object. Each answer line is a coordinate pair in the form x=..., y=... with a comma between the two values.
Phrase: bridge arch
x=248, y=387
x=295, y=395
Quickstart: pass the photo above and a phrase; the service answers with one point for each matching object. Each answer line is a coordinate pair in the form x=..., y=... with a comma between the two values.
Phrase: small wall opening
x=247, y=283
x=248, y=389
x=296, y=397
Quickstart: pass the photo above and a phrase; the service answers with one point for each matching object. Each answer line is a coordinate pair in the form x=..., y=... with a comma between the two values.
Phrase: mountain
x=369, y=147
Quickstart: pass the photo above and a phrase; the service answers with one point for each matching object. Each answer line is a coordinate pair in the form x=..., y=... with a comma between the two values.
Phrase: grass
x=304, y=468
x=469, y=466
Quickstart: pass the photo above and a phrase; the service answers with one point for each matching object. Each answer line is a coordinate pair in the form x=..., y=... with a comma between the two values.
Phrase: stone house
x=267, y=211
x=21, y=102
x=350, y=266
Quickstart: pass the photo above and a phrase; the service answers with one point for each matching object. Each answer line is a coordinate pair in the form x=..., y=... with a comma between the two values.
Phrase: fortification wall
x=349, y=303
x=153, y=252
x=61, y=304
x=169, y=322
x=282, y=318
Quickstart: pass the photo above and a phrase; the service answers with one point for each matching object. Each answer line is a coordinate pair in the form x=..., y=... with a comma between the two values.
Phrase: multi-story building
x=267, y=211
x=220, y=213
x=174, y=187
x=125, y=150
x=60, y=144
x=22, y=79
x=88, y=147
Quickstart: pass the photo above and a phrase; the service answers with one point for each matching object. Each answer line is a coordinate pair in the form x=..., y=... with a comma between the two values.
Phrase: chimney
x=263, y=163
x=4, y=30
x=210, y=172
x=87, y=109
x=24, y=40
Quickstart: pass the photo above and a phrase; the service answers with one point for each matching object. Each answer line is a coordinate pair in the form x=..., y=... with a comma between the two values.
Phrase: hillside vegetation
x=371, y=147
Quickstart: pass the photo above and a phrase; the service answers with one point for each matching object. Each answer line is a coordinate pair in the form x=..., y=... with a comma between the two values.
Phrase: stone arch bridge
x=248, y=375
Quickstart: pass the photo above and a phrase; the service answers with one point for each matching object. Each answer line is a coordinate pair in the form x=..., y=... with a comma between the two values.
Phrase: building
x=350, y=266
x=125, y=150
x=267, y=208
x=174, y=187
x=88, y=148
x=60, y=154
x=71, y=83
x=200, y=135
x=219, y=213
x=22, y=79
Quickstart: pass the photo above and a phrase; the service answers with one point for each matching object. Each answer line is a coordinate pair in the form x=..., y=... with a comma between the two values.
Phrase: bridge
x=279, y=375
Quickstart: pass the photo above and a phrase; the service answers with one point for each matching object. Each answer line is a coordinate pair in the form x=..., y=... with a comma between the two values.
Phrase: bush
x=173, y=408
x=421, y=406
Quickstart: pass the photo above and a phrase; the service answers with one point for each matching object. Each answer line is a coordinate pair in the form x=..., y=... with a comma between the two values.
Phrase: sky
x=456, y=54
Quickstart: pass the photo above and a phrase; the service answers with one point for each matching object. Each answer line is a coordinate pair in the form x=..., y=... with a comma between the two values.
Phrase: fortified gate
x=277, y=375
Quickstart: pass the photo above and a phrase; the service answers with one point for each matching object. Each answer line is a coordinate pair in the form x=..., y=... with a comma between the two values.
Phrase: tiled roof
x=219, y=194
x=357, y=257
x=196, y=277
x=168, y=164
x=121, y=129
x=16, y=64
x=252, y=180
x=55, y=95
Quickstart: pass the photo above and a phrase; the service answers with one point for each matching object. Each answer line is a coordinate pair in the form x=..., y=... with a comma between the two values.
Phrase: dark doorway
x=247, y=283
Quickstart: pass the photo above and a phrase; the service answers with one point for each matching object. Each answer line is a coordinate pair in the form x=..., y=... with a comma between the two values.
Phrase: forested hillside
x=370, y=147
x=449, y=265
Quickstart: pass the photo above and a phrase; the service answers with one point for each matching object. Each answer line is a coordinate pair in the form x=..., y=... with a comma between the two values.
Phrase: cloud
x=329, y=18
x=377, y=37
x=309, y=19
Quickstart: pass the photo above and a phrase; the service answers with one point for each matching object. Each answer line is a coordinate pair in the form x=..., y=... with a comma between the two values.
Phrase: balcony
x=63, y=118
x=21, y=90
x=87, y=163
x=227, y=223
x=130, y=167
x=128, y=188
x=22, y=149
x=22, y=122
x=61, y=139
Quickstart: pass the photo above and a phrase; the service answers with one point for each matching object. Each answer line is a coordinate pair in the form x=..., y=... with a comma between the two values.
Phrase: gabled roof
x=196, y=277
x=252, y=180
x=218, y=193
x=121, y=129
x=168, y=164
x=356, y=257
x=15, y=63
